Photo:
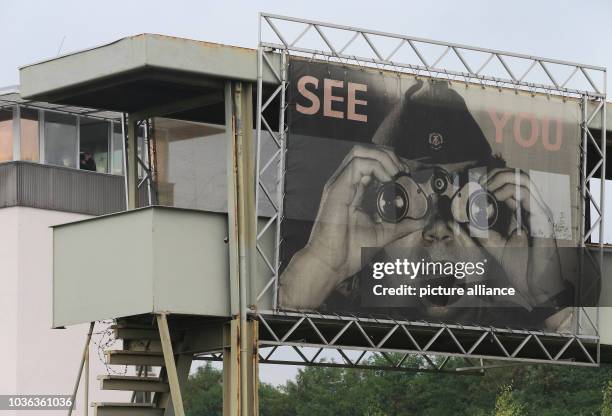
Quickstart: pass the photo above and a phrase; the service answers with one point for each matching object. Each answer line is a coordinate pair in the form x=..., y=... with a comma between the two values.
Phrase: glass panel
x=29, y=134
x=93, y=154
x=6, y=134
x=117, y=149
x=60, y=139
x=190, y=164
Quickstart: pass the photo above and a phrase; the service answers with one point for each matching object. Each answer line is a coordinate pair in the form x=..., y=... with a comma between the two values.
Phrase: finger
x=488, y=175
x=389, y=232
x=384, y=155
x=352, y=180
x=360, y=168
x=535, y=223
x=401, y=165
x=408, y=226
x=357, y=198
x=493, y=241
x=518, y=224
x=501, y=177
x=522, y=194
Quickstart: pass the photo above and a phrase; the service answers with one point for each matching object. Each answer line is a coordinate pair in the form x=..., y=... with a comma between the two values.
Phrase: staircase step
x=122, y=357
x=142, y=333
x=131, y=333
x=126, y=409
x=133, y=383
x=142, y=345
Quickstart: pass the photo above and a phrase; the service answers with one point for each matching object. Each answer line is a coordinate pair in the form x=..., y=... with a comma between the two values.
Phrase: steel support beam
x=240, y=384
x=84, y=358
x=179, y=106
x=183, y=365
x=173, y=378
x=236, y=401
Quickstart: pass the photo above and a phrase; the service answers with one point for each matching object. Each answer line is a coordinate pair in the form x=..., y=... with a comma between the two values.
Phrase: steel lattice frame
x=300, y=331
x=424, y=338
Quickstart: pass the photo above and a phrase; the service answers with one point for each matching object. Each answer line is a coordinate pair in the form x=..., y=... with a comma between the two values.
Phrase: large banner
x=420, y=199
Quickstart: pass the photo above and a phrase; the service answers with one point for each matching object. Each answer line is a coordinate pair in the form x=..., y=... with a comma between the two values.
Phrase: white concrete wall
x=8, y=301
x=34, y=358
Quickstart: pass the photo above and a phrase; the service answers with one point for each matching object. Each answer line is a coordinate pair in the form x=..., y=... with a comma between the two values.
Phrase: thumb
x=390, y=232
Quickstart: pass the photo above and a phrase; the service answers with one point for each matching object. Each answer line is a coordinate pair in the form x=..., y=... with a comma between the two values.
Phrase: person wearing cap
x=430, y=129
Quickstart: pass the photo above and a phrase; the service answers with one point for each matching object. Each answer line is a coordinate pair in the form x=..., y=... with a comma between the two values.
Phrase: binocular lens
x=439, y=182
x=482, y=210
x=392, y=202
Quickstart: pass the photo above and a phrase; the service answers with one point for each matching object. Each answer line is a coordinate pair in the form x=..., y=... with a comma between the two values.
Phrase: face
x=443, y=195
x=454, y=207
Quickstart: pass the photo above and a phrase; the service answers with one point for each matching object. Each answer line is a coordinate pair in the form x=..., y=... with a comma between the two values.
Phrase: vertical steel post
x=124, y=143
x=77, y=161
x=249, y=180
x=602, y=229
x=258, y=124
x=231, y=370
x=281, y=173
x=254, y=366
x=80, y=372
x=147, y=161
x=584, y=201
x=41, y=136
x=86, y=384
x=132, y=163
x=16, y=133
x=232, y=202
x=240, y=384
x=243, y=271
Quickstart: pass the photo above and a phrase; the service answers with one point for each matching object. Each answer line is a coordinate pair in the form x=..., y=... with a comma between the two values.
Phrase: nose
x=437, y=230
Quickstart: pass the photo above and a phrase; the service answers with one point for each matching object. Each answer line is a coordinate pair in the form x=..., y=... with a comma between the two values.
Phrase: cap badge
x=436, y=141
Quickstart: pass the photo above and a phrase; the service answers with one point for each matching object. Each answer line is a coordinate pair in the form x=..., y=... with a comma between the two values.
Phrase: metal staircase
x=150, y=388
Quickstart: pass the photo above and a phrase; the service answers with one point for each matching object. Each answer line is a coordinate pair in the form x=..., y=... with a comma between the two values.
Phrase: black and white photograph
x=434, y=171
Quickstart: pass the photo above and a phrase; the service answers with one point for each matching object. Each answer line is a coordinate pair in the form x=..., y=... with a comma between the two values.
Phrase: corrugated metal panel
x=61, y=189
x=8, y=185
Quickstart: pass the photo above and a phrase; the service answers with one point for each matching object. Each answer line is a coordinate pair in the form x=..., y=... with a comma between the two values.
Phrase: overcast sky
x=576, y=30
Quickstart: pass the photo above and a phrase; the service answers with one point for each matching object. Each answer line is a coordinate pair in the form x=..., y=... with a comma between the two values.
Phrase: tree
x=203, y=394
x=507, y=405
x=274, y=401
x=606, y=407
x=542, y=390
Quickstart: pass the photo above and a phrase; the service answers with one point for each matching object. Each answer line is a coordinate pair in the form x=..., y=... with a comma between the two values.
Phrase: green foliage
x=331, y=391
x=203, y=393
x=507, y=404
x=274, y=401
x=606, y=407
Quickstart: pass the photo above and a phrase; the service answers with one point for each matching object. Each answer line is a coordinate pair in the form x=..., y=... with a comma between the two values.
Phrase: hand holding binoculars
x=417, y=195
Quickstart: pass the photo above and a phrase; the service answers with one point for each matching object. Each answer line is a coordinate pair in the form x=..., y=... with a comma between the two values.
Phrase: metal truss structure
x=423, y=339
x=145, y=160
x=355, y=339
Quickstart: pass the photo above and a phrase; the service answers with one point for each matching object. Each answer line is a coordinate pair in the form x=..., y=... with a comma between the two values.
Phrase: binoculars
x=412, y=196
